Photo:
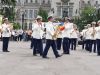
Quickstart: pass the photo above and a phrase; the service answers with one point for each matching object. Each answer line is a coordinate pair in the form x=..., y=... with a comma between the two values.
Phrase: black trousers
x=20, y=38
x=32, y=43
x=83, y=44
x=88, y=45
x=5, y=43
x=98, y=46
x=66, y=45
x=38, y=45
x=92, y=45
x=51, y=43
x=59, y=42
x=73, y=43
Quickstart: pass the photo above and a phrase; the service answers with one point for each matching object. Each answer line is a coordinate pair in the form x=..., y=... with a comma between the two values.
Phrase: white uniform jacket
x=74, y=34
x=6, y=30
x=50, y=30
x=37, y=30
x=98, y=32
x=83, y=33
x=93, y=33
x=88, y=34
x=67, y=30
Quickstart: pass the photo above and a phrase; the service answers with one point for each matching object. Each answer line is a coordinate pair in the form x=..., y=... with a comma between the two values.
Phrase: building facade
x=27, y=10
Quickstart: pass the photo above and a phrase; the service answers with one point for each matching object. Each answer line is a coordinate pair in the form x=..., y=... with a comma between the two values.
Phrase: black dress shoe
x=58, y=56
x=34, y=55
x=6, y=51
x=46, y=57
x=66, y=53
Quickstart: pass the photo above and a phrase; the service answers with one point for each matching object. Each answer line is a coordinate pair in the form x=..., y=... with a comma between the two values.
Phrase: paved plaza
x=20, y=61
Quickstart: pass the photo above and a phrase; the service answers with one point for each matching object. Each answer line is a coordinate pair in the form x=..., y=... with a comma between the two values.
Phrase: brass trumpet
x=94, y=32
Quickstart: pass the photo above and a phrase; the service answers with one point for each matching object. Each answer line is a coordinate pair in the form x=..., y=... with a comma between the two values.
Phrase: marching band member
x=59, y=41
x=93, y=37
x=74, y=36
x=59, y=37
x=37, y=36
x=50, y=41
x=84, y=37
x=6, y=34
x=32, y=39
x=66, y=36
x=88, y=38
x=98, y=38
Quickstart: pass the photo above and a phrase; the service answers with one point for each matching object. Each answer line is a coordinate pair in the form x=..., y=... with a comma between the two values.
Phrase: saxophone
x=56, y=33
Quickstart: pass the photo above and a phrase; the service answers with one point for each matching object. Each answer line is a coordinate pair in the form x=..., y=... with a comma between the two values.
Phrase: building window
x=70, y=12
x=30, y=26
x=43, y=2
x=35, y=13
x=96, y=2
x=76, y=11
x=25, y=26
x=36, y=1
x=30, y=13
x=83, y=2
x=26, y=14
x=48, y=1
x=26, y=1
x=65, y=12
x=89, y=2
x=31, y=1
x=59, y=11
x=19, y=1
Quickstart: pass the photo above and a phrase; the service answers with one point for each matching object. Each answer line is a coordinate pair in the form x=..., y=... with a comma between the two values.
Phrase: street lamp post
x=99, y=13
x=22, y=21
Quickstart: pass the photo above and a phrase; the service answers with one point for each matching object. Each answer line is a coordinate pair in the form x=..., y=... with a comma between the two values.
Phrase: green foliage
x=9, y=2
x=16, y=26
x=9, y=10
x=87, y=15
x=43, y=14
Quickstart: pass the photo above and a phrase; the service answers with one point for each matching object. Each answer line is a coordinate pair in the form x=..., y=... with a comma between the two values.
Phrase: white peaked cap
x=93, y=22
x=5, y=18
x=88, y=25
x=39, y=17
x=50, y=14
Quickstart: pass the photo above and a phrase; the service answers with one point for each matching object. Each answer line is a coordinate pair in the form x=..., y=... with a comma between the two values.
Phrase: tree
x=43, y=14
x=8, y=9
x=88, y=14
x=16, y=26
